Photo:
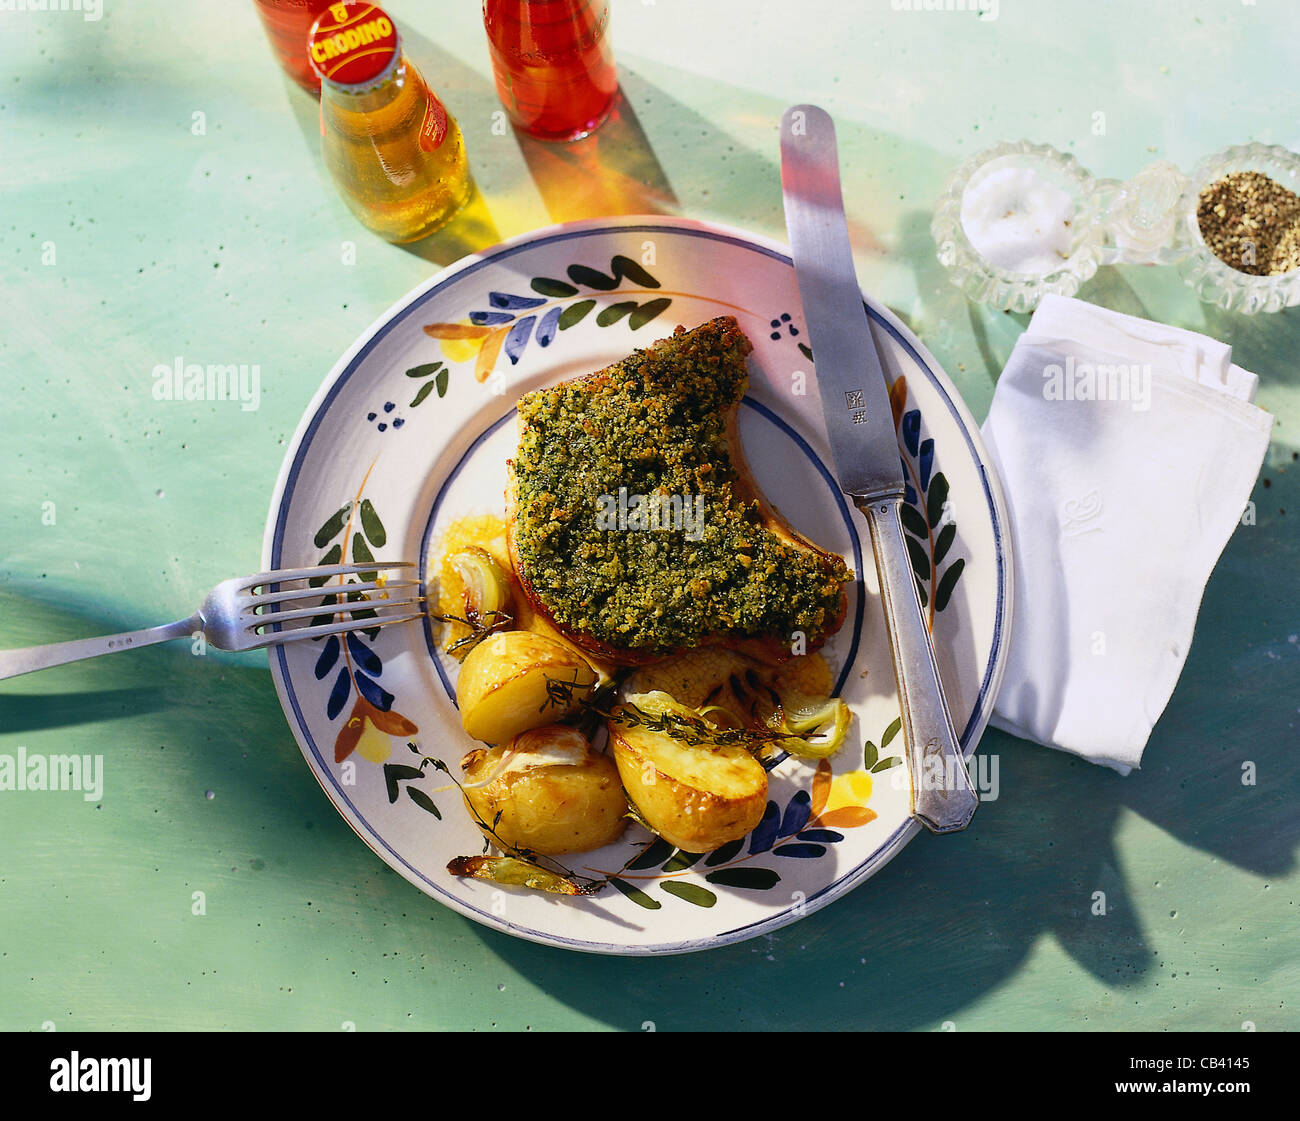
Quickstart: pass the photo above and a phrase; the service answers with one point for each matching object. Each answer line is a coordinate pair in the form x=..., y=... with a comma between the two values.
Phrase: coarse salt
x=1019, y=221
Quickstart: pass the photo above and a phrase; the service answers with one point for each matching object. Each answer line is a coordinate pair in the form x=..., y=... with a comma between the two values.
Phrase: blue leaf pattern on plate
x=764, y=835
x=796, y=813
x=328, y=656
x=374, y=693
x=518, y=338
x=549, y=327
x=912, y=430
x=909, y=492
x=339, y=694
x=489, y=318
x=366, y=658
x=513, y=303
x=803, y=852
x=825, y=836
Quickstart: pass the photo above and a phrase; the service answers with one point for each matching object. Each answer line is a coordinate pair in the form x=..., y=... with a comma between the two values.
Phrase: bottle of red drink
x=554, y=69
x=287, y=23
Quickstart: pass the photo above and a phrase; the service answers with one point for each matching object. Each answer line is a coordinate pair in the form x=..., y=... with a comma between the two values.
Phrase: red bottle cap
x=351, y=45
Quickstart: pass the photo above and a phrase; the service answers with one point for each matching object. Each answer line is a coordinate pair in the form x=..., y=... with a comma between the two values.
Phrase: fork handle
x=29, y=658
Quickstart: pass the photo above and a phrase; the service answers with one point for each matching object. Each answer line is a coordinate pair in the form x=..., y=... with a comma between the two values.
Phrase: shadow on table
x=36, y=712
x=1237, y=697
x=212, y=706
x=612, y=171
x=952, y=918
x=944, y=923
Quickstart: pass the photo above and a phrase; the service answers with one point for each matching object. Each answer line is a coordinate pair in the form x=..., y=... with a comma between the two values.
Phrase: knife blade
x=859, y=424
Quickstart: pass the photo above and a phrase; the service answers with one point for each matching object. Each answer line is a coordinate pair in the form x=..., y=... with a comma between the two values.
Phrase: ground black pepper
x=1251, y=223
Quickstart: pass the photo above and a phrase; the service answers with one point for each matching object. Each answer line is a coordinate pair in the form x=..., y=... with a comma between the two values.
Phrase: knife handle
x=943, y=798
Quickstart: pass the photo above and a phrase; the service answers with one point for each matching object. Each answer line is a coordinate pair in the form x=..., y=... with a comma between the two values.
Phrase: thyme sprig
x=479, y=627
x=692, y=730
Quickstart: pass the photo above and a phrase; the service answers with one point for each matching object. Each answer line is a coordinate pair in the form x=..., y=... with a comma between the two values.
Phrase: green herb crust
x=656, y=423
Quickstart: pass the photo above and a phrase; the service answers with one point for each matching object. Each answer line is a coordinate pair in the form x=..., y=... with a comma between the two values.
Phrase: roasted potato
x=696, y=797
x=552, y=792
x=502, y=689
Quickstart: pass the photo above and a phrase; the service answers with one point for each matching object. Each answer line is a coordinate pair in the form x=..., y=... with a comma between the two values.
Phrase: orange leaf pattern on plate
x=487, y=357
x=821, y=787
x=393, y=723
x=456, y=331
x=847, y=817
x=346, y=742
x=897, y=399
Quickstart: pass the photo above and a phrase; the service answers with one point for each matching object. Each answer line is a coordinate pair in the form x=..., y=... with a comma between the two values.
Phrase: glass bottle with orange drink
x=393, y=150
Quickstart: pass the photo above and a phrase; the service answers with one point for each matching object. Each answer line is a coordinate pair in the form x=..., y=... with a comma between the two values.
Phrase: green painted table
x=164, y=200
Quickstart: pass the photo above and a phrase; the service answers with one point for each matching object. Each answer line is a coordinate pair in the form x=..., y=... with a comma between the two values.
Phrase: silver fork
x=236, y=616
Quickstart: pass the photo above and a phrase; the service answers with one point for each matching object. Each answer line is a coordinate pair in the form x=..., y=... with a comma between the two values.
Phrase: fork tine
x=261, y=598
x=252, y=622
x=281, y=575
x=294, y=634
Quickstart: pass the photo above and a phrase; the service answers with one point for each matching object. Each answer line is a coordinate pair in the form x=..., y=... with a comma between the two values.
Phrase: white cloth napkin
x=1128, y=451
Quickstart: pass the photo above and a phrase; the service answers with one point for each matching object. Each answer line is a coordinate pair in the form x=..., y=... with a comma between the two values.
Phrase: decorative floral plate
x=410, y=432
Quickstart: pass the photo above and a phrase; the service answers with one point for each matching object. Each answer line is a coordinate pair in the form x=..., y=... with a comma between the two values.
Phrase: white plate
x=413, y=453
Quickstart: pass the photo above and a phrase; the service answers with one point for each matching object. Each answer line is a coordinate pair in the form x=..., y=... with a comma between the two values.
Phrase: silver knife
x=855, y=400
